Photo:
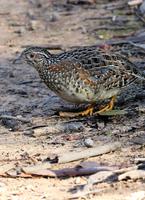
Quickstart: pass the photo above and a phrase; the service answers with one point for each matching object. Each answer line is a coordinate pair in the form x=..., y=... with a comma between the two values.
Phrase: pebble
x=88, y=142
x=101, y=125
x=28, y=132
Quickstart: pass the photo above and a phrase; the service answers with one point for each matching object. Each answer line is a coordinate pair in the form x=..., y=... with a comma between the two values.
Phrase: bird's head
x=36, y=56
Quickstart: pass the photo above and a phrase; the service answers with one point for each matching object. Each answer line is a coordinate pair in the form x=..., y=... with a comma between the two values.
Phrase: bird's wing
x=110, y=70
x=107, y=68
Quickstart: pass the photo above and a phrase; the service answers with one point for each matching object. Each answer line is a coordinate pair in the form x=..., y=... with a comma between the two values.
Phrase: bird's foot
x=108, y=107
x=87, y=112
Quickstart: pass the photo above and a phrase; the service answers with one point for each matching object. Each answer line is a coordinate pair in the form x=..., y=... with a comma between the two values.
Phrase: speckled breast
x=67, y=85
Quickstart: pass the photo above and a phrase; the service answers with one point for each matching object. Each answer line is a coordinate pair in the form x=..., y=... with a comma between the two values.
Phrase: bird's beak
x=18, y=60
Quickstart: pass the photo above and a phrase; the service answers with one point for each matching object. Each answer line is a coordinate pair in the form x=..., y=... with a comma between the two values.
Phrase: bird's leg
x=88, y=111
x=108, y=107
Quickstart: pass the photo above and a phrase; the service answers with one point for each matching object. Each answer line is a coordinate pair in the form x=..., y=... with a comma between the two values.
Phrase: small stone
x=88, y=142
x=101, y=125
x=34, y=24
x=53, y=18
x=28, y=133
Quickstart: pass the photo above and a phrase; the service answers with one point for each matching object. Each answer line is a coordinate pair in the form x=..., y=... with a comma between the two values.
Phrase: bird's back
x=109, y=69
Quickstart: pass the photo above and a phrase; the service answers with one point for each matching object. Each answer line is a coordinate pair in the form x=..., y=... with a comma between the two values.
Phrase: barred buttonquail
x=85, y=75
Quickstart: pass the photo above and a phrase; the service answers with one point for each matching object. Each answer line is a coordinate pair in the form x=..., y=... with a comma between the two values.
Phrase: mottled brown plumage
x=85, y=75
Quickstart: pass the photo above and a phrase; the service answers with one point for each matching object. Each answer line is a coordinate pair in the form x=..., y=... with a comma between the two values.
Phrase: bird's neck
x=42, y=69
x=46, y=68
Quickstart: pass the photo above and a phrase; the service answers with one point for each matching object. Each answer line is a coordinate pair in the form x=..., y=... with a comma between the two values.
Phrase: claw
x=108, y=107
x=88, y=111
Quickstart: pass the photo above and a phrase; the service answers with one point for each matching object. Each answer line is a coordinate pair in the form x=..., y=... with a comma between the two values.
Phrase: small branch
x=98, y=18
x=72, y=156
x=66, y=172
x=114, y=28
x=84, y=168
x=134, y=174
x=140, y=17
x=19, y=118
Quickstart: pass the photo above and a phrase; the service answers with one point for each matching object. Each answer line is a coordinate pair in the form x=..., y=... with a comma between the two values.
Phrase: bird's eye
x=31, y=55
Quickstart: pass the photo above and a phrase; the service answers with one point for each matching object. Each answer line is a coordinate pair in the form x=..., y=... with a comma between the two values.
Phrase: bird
x=85, y=75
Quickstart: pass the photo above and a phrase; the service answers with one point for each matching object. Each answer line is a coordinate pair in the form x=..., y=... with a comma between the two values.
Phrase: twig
x=115, y=28
x=98, y=17
x=134, y=174
x=66, y=172
x=84, y=168
x=26, y=82
x=19, y=118
x=140, y=17
x=72, y=156
x=109, y=17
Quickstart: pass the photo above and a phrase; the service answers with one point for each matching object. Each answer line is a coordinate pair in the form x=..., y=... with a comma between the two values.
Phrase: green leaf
x=113, y=112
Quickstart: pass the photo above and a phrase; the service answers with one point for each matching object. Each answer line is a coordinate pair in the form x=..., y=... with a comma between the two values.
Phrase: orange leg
x=108, y=107
x=88, y=111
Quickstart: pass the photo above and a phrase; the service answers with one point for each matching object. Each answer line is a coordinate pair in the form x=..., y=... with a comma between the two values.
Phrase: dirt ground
x=22, y=93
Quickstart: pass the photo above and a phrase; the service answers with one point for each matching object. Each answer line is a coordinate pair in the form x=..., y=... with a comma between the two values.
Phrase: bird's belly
x=79, y=96
x=105, y=94
x=74, y=92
